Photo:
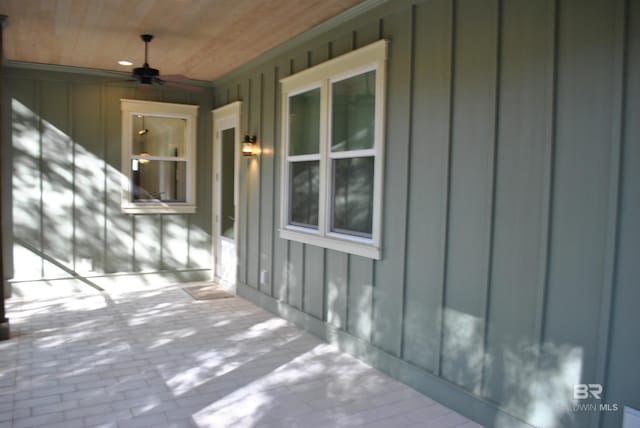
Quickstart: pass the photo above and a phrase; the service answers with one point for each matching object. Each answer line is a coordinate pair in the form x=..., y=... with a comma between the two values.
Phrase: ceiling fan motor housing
x=145, y=74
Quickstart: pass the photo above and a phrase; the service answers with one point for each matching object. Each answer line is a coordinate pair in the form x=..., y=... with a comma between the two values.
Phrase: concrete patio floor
x=158, y=358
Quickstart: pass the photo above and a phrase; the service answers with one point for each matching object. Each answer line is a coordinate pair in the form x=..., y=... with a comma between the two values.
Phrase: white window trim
x=370, y=57
x=158, y=109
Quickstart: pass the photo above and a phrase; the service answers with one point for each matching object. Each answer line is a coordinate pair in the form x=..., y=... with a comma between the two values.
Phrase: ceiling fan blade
x=174, y=77
x=185, y=86
x=122, y=81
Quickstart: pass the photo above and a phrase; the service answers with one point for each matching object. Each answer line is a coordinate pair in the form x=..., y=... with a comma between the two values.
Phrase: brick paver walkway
x=158, y=358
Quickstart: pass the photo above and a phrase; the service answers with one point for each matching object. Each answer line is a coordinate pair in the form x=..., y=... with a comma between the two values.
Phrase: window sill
x=154, y=208
x=357, y=246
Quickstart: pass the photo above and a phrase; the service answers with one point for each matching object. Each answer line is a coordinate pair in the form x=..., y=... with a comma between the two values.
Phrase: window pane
x=159, y=136
x=304, y=123
x=353, y=196
x=353, y=103
x=159, y=180
x=304, y=193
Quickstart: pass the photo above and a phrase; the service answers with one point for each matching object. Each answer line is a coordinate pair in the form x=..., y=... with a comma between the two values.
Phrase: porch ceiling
x=201, y=39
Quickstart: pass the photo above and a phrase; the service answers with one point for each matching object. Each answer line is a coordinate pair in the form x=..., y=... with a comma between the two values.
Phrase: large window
x=333, y=138
x=158, y=152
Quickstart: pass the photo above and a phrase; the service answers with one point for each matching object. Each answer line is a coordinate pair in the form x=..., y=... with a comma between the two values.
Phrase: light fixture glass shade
x=247, y=145
x=143, y=156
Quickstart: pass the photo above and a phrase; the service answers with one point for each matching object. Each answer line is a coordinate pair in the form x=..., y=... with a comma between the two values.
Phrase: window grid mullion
x=304, y=158
x=353, y=154
x=160, y=158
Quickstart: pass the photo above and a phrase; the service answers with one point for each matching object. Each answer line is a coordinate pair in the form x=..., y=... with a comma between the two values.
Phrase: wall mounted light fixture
x=247, y=145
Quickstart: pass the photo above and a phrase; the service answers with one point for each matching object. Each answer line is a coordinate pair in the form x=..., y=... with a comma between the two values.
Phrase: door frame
x=225, y=117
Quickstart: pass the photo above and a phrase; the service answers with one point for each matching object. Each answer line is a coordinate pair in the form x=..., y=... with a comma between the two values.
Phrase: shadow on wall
x=531, y=382
x=66, y=212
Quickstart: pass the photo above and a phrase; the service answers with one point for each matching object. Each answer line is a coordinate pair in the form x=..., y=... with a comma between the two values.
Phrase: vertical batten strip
x=275, y=205
x=161, y=263
x=287, y=279
x=38, y=102
x=492, y=196
x=412, y=69
x=134, y=264
x=548, y=181
x=615, y=177
x=323, y=283
x=346, y=325
x=105, y=178
x=447, y=192
x=302, y=283
x=247, y=189
x=372, y=312
x=259, y=187
x=74, y=190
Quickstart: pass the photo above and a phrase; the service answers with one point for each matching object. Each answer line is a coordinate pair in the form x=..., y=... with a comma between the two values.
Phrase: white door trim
x=225, y=117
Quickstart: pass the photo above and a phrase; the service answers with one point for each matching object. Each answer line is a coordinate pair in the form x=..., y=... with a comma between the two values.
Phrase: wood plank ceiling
x=201, y=39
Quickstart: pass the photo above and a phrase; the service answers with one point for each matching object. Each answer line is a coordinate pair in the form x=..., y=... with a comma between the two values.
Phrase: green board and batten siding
x=63, y=194
x=511, y=231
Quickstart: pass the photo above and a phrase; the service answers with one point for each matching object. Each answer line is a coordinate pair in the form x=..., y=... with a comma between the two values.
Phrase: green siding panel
x=388, y=292
x=473, y=128
x=146, y=236
x=56, y=174
x=336, y=277
x=280, y=246
x=580, y=189
x=296, y=274
x=360, y=297
x=27, y=204
x=366, y=33
x=119, y=233
x=253, y=184
x=524, y=138
x=175, y=251
x=267, y=175
x=314, y=262
x=428, y=184
x=319, y=54
x=342, y=44
x=89, y=175
x=622, y=375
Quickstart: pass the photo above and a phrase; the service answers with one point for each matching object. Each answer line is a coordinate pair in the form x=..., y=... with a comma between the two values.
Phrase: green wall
x=511, y=232
x=61, y=197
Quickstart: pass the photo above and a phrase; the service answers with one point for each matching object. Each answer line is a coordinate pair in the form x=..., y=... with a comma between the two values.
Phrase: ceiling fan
x=147, y=75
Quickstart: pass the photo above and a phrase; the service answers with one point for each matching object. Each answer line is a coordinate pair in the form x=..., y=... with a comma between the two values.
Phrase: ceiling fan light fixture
x=148, y=76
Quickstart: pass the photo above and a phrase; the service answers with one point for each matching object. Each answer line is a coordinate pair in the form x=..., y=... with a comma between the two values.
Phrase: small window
x=158, y=152
x=333, y=117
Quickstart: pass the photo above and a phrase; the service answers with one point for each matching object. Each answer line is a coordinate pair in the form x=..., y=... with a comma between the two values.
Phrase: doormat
x=207, y=292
